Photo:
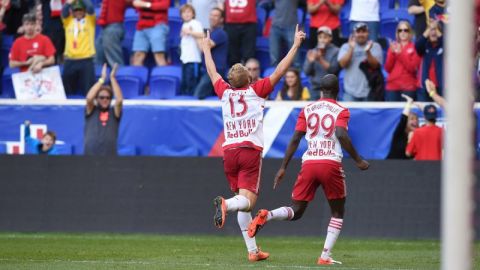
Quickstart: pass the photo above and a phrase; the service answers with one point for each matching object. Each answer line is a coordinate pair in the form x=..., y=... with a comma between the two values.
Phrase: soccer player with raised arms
x=324, y=125
x=242, y=111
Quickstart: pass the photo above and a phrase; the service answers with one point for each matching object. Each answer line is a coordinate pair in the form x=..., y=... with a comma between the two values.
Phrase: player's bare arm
x=346, y=143
x=292, y=147
x=92, y=93
x=288, y=59
x=211, y=68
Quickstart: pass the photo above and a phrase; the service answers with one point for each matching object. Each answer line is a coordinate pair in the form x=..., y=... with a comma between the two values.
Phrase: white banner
x=45, y=85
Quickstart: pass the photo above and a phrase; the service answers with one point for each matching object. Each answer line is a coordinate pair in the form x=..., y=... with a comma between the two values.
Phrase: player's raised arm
x=346, y=143
x=292, y=147
x=211, y=68
x=288, y=59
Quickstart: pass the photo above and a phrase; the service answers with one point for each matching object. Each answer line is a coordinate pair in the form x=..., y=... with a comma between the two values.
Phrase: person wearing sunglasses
x=402, y=65
x=101, y=119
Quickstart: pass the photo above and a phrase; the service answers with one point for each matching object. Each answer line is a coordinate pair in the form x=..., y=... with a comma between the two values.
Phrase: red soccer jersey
x=240, y=11
x=426, y=143
x=157, y=13
x=24, y=48
x=112, y=11
x=324, y=16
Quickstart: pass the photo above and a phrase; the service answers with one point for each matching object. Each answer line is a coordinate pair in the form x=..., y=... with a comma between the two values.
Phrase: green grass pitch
x=139, y=251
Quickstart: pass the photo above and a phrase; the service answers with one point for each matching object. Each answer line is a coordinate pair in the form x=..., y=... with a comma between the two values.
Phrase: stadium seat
x=386, y=5
x=262, y=17
x=403, y=4
x=174, y=55
x=127, y=150
x=389, y=21
x=7, y=84
x=173, y=150
x=65, y=149
x=132, y=80
x=262, y=52
x=175, y=23
x=344, y=19
x=277, y=87
x=130, y=23
x=165, y=81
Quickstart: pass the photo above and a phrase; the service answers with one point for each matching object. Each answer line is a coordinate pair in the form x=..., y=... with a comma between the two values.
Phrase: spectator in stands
x=321, y=60
x=426, y=141
x=32, y=51
x=408, y=123
x=324, y=13
x=52, y=26
x=202, y=10
x=430, y=47
x=282, y=29
x=420, y=8
x=253, y=67
x=191, y=56
x=402, y=65
x=219, y=47
x=351, y=55
x=241, y=28
x=152, y=31
x=368, y=12
x=101, y=120
x=437, y=12
x=78, y=17
x=292, y=88
x=109, y=42
x=45, y=146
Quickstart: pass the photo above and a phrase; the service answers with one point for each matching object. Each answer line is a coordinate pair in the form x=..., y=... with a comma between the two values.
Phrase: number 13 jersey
x=242, y=112
x=319, y=121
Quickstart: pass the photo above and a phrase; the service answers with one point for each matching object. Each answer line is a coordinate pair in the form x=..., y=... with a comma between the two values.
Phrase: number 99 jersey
x=319, y=121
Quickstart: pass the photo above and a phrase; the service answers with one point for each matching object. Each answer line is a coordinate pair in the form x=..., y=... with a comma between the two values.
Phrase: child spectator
x=292, y=88
x=46, y=146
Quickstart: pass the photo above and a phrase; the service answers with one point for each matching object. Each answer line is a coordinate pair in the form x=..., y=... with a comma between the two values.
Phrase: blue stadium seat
x=127, y=150
x=262, y=17
x=390, y=19
x=403, y=4
x=386, y=5
x=65, y=149
x=174, y=55
x=344, y=19
x=98, y=28
x=175, y=23
x=276, y=87
x=341, y=77
x=3, y=148
x=7, y=84
x=165, y=81
x=130, y=23
x=132, y=80
x=173, y=151
x=262, y=52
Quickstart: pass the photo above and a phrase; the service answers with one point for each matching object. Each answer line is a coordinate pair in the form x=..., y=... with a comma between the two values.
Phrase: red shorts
x=242, y=167
x=329, y=175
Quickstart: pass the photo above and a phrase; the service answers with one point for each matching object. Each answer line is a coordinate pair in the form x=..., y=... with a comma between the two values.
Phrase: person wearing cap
x=426, y=142
x=32, y=51
x=368, y=12
x=321, y=60
x=78, y=19
x=324, y=13
x=351, y=55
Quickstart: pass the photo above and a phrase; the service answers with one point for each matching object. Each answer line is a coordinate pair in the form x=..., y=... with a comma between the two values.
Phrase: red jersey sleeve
x=220, y=86
x=342, y=119
x=301, y=122
x=263, y=87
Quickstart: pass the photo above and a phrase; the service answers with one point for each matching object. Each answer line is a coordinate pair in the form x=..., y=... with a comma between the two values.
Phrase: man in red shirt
x=32, y=51
x=426, y=141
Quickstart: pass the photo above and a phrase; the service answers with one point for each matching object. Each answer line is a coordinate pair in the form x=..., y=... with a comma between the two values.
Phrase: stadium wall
x=394, y=199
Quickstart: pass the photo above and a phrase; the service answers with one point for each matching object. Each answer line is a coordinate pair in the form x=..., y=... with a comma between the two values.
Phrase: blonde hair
x=406, y=23
x=238, y=76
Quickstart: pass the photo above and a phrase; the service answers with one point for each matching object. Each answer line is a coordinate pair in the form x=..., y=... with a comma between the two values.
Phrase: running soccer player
x=324, y=124
x=242, y=111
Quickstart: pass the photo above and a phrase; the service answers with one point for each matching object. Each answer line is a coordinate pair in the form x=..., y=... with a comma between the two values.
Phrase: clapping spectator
x=321, y=60
x=420, y=9
x=292, y=88
x=351, y=55
x=45, y=146
x=324, y=13
x=368, y=12
x=101, y=120
x=52, y=26
x=402, y=65
x=407, y=124
x=253, y=67
x=152, y=31
x=32, y=51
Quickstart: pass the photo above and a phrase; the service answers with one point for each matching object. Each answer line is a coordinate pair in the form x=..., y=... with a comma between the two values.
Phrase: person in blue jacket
x=45, y=146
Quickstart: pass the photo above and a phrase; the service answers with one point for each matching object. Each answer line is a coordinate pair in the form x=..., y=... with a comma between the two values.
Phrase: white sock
x=244, y=219
x=334, y=229
x=282, y=213
x=237, y=203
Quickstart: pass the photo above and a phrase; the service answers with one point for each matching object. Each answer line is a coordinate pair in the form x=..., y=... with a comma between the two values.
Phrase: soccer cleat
x=328, y=261
x=258, y=256
x=257, y=223
x=220, y=211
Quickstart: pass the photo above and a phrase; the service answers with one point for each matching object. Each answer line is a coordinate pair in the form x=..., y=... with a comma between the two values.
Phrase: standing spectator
x=282, y=29
x=357, y=50
x=426, y=141
x=437, y=12
x=32, y=51
x=253, y=67
x=45, y=146
x=78, y=18
x=368, y=12
x=321, y=60
x=101, y=120
x=52, y=26
x=420, y=8
x=292, y=88
x=408, y=123
x=109, y=42
x=430, y=47
x=191, y=55
x=241, y=28
x=219, y=47
x=324, y=13
x=152, y=31
x=202, y=10
x=13, y=18
x=402, y=65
